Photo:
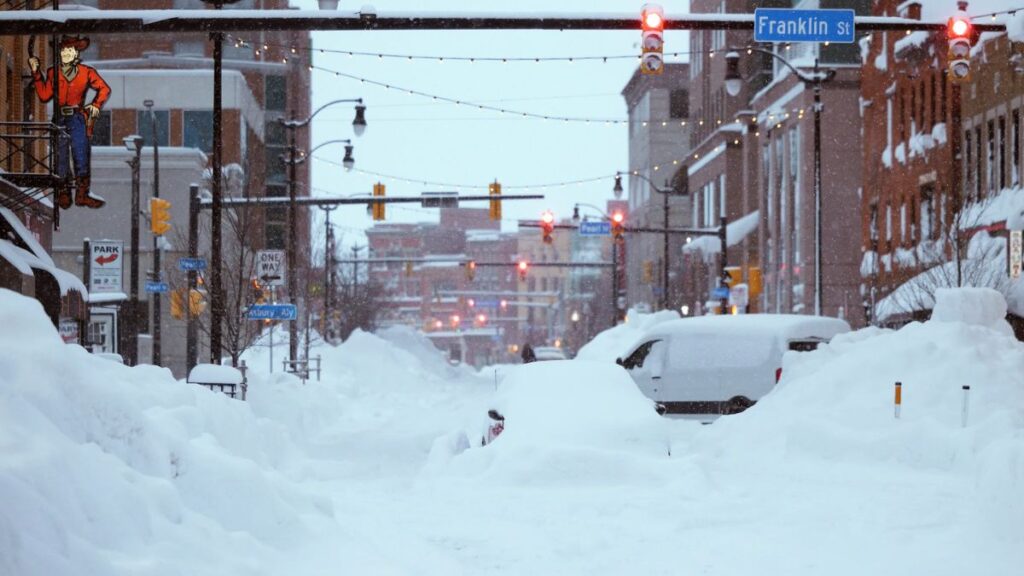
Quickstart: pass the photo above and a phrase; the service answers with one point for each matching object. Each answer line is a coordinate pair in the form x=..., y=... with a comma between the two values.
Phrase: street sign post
x=1016, y=252
x=153, y=287
x=106, y=266
x=595, y=228
x=190, y=264
x=720, y=292
x=270, y=267
x=272, y=312
x=786, y=25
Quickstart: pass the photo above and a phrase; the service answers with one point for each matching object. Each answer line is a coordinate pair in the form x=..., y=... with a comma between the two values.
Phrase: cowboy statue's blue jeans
x=73, y=139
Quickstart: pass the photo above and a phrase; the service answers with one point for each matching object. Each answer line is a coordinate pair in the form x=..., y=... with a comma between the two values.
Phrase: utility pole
x=133, y=289
x=191, y=334
x=157, y=274
x=665, y=250
x=293, y=227
x=328, y=268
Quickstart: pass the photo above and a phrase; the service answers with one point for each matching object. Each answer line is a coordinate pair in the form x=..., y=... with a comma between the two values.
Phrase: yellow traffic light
x=735, y=275
x=648, y=274
x=471, y=270
x=494, y=189
x=196, y=302
x=378, y=207
x=177, y=305
x=160, y=216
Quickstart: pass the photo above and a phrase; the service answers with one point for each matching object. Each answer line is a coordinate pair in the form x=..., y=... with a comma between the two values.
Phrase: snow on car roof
x=785, y=325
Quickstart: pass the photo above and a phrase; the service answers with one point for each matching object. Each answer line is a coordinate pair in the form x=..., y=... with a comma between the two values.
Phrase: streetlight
x=156, y=239
x=133, y=143
x=665, y=193
x=294, y=159
x=733, y=84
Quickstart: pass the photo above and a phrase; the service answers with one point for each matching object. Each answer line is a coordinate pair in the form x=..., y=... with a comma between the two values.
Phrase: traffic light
x=178, y=304
x=523, y=268
x=481, y=319
x=618, y=226
x=494, y=189
x=547, y=225
x=257, y=291
x=471, y=270
x=734, y=275
x=160, y=216
x=652, y=20
x=648, y=275
x=196, y=302
x=378, y=207
x=959, y=32
x=456, y=320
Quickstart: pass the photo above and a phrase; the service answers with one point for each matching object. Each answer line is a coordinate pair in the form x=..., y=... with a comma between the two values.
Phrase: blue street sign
x=189, y=264
x=595, y=228
x=489, y=303
x=720, y=292
x=157, y=287
x=785, y=25
x=273, y=312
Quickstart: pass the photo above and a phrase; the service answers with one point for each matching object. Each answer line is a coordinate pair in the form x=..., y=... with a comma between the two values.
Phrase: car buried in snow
x=715, y=365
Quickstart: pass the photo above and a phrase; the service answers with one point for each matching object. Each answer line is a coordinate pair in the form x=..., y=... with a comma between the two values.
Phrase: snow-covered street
x=115, y=470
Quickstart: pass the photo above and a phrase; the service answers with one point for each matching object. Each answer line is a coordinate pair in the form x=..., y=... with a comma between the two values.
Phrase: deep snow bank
x=106, y=469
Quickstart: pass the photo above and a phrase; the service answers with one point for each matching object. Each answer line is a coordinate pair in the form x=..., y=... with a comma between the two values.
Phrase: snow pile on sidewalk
x=614, y=342
x=106, y=469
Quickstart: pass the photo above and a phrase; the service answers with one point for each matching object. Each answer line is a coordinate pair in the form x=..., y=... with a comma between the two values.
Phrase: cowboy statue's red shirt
x=73, y=93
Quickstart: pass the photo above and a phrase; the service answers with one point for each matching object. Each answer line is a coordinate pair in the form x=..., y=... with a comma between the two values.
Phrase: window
x=769, y=195
x=968, y=175
x=1015, y=149
x=199, y=130
x=1002, y=153
x=990, y=155
x=276, y=93
x=936, y=105
x=145, y=127
x=794, y=175
x=275, y=166
x=904, y=235
x=977, y=163
x=873, y=224
x=101, y=130
x=785, y=231
x=888, y=224
x=927, y=216
x=709, y=204
x=679, y=104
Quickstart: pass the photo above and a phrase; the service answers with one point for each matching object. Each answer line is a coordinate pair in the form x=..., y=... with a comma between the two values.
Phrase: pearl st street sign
x=786, y=25
x=595, y=228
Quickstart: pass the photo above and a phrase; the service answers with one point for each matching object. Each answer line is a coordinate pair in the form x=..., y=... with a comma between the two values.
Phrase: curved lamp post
x=733, y=85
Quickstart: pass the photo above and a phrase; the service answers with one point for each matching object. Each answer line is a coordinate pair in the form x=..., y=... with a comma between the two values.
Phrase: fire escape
x=28, y=161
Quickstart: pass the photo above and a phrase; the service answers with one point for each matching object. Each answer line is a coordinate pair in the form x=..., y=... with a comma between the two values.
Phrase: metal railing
x=28, y=161
x=302, y=367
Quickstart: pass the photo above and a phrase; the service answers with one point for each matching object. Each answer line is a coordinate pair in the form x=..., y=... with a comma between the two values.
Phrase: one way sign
x=270, y=267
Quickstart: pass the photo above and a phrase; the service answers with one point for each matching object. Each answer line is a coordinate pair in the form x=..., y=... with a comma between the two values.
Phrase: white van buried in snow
x=713, y=365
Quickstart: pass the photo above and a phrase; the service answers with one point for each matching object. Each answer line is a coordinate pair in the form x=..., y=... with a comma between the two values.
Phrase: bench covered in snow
x=218, y=378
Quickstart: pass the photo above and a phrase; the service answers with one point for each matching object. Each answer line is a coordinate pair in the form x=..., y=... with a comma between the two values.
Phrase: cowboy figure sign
x=74, y=116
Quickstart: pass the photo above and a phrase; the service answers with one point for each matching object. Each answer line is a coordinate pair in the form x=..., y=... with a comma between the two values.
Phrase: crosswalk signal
x=378, y=207
x=547, y=226
x=652, y=19
x=494, y=189
x=618, y=226
x=959, y=32
x=159, y=216
x=471, y=270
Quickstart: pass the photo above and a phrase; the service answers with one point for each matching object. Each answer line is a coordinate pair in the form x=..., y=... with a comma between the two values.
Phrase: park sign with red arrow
x=106, y=267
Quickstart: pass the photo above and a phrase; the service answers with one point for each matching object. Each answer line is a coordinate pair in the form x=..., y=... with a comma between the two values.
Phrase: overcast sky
x=418, y=138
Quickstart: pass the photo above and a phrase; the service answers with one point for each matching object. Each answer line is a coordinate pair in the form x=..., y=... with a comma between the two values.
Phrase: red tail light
x=778, y=375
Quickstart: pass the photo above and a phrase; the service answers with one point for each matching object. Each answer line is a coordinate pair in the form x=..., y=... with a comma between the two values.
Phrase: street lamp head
x=576, y=213
x=133, y=143
x=733, y=80
x=359, y=123
x=348, y=161
x=147, y=103
x=617, y=190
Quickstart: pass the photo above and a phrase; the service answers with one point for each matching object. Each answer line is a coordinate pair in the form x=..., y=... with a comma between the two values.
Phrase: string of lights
x=477, y=105
x=266, y=46
x=1010, y=11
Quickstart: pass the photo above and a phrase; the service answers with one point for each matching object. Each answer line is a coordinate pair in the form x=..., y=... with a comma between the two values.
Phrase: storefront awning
x=25, y=254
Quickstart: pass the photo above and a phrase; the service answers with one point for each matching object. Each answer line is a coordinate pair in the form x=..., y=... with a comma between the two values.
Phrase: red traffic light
x=547, y=217
x=523, y=265
x=481, y=318
x=959, y=26
x=652, y=17
x=618, y=217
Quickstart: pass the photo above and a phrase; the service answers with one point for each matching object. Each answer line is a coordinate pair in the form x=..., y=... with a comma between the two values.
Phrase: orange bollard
x=899, y=397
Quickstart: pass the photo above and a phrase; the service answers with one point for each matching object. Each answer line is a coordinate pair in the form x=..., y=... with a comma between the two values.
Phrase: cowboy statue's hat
x=80, y=43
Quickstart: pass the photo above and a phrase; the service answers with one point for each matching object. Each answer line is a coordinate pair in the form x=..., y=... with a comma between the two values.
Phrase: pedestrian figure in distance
x=73, y=115
x=528, y=355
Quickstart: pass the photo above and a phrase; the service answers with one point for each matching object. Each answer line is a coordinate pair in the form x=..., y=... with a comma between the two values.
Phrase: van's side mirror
x=495, y=415
x=619, y=361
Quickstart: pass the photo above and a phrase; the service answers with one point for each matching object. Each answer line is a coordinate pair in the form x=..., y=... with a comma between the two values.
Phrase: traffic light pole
x=157, y=274
x=615, y=283
x=133, y=288
x=191, y=344
x=293, y=329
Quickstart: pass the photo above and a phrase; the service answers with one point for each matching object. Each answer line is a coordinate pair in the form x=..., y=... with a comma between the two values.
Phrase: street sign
x=1016, y=252
x=270, y=267
x=720, y=292
x=739, y=296
x=595, y=228
x=272, y=312
x=786, y=25
x=189, y=264
x=106, y=266
x=486, y=303
x=157, y=287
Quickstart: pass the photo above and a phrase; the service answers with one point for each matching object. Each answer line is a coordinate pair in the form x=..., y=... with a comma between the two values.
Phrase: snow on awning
x=12, y=254
x=30, y=254
x=735, y=232
x=107, y=297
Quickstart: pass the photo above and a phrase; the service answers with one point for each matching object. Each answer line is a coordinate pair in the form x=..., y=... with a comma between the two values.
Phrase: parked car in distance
x=714, y=365
x=549, y=353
